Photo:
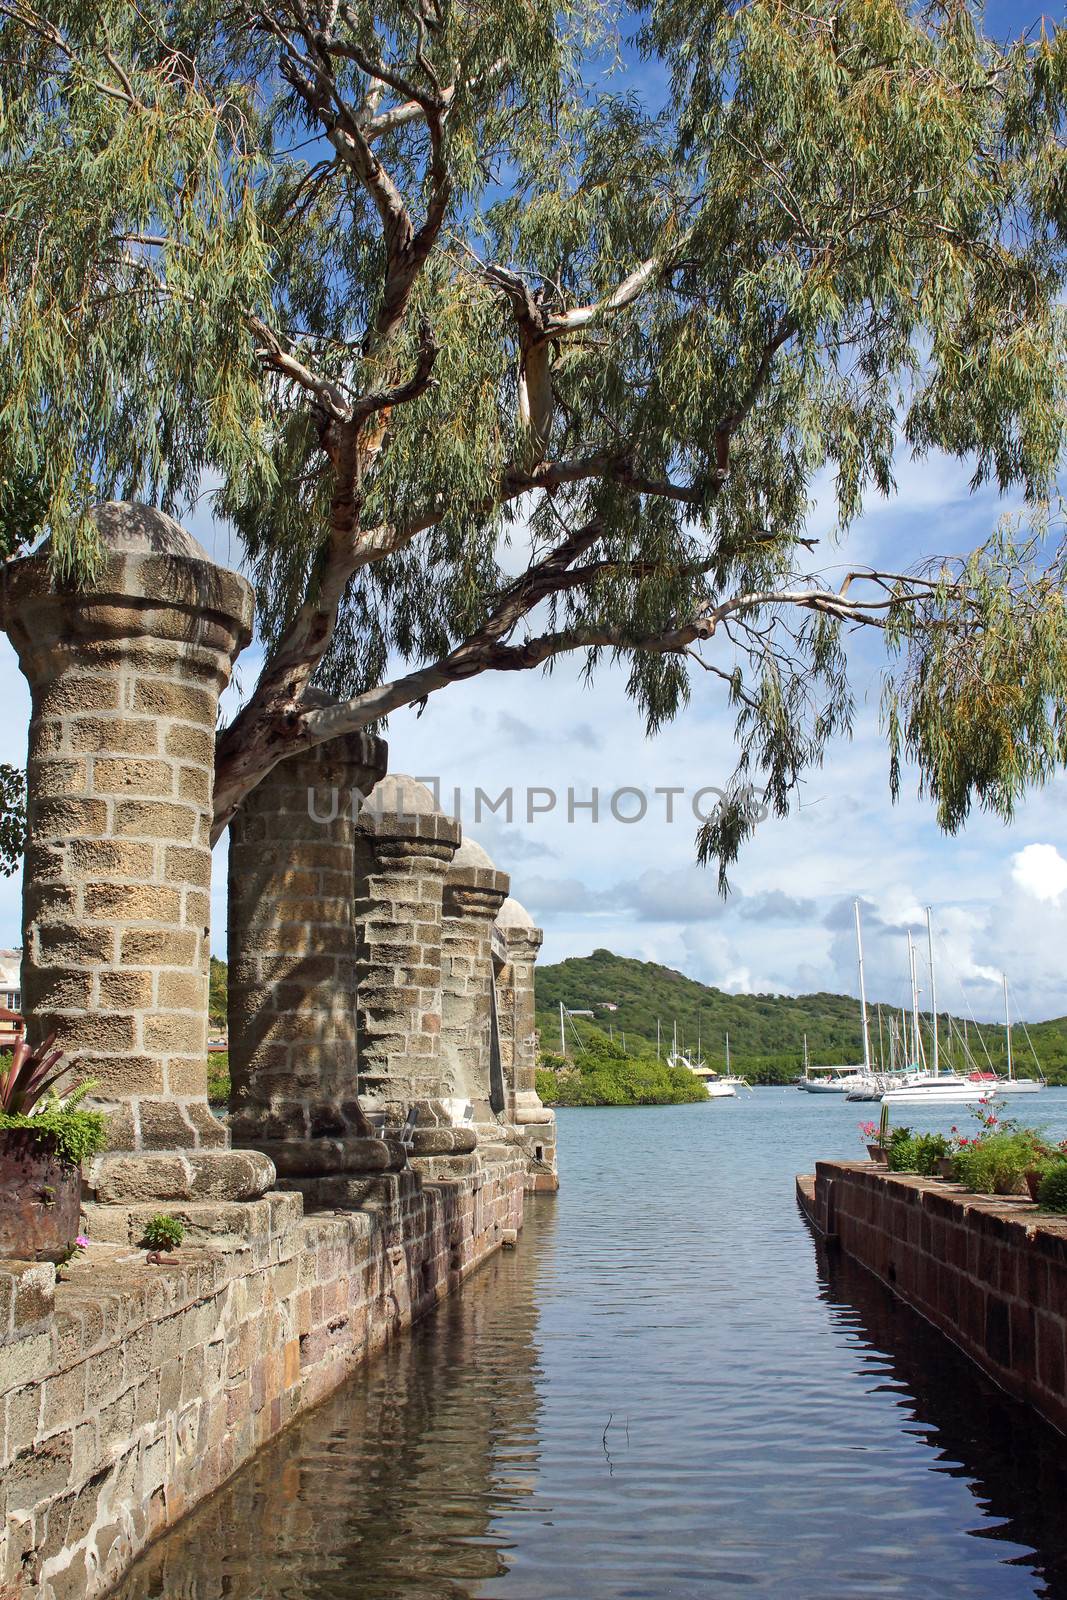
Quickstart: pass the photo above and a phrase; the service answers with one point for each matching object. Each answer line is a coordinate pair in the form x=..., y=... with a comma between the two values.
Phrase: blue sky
x=999, y=894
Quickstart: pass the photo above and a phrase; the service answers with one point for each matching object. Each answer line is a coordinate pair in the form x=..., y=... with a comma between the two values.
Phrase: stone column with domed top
x=520, y=942
x=404, y=847
x=125, y=671
x=474, y=893
x=292, y=956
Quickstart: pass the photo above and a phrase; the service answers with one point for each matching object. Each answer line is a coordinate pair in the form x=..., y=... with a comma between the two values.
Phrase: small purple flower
x=82, y=1242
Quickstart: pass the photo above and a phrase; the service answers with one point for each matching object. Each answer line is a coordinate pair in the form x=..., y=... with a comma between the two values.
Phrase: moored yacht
x=955, y=1088
x=843, y=1079
x=717, y=1086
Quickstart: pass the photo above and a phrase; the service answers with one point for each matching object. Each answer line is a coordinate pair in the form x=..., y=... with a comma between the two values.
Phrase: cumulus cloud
x=1040, y=871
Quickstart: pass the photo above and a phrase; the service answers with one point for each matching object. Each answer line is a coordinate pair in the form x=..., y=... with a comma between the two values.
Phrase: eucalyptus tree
x=491, y=359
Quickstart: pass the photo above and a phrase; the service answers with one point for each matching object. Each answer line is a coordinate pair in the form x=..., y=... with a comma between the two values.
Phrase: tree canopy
x=489, y=358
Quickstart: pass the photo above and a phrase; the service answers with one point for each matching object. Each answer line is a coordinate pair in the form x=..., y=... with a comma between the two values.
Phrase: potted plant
x=876, y=1137
x=1052, y=1191
x=43, y=1142
x=1046, y=1158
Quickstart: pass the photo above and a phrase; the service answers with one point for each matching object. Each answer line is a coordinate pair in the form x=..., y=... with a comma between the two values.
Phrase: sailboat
x=843, y=1080
x=1010, y=1085
x=730, y=1082
x=938, y=1087
x=716, y=1086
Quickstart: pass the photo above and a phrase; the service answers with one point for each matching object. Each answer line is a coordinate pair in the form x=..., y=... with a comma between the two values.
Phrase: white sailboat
x=730, y=1081
x=950, y=1087
x=717, y=1086
x=1010, y=1085
x=847, y=1080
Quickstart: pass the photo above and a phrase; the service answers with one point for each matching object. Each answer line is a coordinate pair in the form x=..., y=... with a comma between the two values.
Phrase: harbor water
x=667, y=1389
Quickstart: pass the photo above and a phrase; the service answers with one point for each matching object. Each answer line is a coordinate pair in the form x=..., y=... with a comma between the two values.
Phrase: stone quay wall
x=130, y=1391
x=132, y=1387
x=990, y=1272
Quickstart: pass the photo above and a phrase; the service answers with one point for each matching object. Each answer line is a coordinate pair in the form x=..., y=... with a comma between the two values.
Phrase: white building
x=11, y=979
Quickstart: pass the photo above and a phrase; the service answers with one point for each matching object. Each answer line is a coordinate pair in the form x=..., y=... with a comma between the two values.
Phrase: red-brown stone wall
x=990, y=1272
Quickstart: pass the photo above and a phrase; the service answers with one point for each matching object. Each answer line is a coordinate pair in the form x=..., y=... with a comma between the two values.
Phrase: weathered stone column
x=292, y=960
x=125, y=674
x=518, y=1041
x=474, y=894
x=404, y=846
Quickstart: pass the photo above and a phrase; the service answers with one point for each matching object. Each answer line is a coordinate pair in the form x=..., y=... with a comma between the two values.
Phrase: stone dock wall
x=990, y=1272
x=384, y=1121
x=130, y=1391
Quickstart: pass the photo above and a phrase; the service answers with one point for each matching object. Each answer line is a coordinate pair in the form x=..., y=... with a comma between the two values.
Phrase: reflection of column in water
x=397, y=1485
x=1013, y=1462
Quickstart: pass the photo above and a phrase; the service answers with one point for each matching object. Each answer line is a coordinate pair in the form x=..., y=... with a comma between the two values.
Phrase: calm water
x=665, y=1391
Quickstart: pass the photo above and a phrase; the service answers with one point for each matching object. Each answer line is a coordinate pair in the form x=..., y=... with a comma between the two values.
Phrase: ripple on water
x=665, y=1391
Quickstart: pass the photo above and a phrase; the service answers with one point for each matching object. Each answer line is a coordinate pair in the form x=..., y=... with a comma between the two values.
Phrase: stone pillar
x=521, y=942
x=292, y=958
x=474, y=894
x=125, y=674
x=404, y=846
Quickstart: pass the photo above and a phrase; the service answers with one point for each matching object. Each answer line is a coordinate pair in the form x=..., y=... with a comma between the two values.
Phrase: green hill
x=766, y=1031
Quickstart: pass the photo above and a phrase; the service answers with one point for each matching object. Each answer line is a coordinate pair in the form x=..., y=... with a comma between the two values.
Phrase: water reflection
x=666, y=1391
x=392, y=1486
x=1013, y=1465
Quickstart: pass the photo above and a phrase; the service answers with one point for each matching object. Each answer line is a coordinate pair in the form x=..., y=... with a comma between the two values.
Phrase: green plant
x=996, y=1164
x=919, y=1152
x=900, y=1150
x=164, y=1232
x=74, y=1134
x=28, y=1102
x=1052, y=1191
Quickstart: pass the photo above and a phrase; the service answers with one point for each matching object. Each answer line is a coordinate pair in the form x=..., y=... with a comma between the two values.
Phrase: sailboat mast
x=727, y=1055
x=914, y=1000
x=562, y=1034
x=933, y=985
x=863, y=992
x=806, y=1056
x=1007, y=1024
x=657, y=1038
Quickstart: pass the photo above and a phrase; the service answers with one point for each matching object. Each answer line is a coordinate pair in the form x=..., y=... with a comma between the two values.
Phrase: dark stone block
x=997, y=1337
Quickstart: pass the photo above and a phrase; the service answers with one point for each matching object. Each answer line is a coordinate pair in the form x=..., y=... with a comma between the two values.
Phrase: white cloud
x=1040, y=872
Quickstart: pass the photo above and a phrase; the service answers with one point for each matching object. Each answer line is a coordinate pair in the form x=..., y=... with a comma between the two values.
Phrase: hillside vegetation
x=766, y=1031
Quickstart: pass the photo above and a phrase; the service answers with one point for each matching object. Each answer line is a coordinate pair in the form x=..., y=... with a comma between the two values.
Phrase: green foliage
x=547, y=1085
x=1052, y=1191
x=850, y=221
x=980, y=710
x=75, y=1135
x=604, y=1075
x=218, y=1076
x=996, y=1164
x=920, y=1152
x=163, y=1232
x=766, y=1030
x=12, y=818
x=216, y=1001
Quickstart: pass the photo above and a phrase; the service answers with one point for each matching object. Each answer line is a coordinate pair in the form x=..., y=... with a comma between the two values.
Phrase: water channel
x=666, y=1390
